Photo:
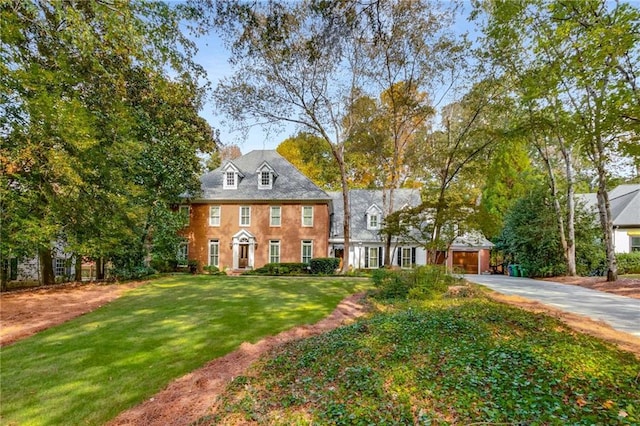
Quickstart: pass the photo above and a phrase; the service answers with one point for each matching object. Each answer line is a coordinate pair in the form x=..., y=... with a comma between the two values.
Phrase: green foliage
x=324, y=265
x=291, y=268
x=312, y=156
x=131, y=348
x=97, y=138
x=420, y=283
x=462, y=361
x=530, y=237
x=628, y=263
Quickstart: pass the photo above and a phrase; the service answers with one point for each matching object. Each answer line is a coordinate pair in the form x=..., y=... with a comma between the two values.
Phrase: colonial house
x=624, y=201
x=254, y=210
x=469, y=252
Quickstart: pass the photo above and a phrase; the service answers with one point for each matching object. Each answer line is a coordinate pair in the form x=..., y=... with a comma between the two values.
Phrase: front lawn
x=88, y=370
x=467, y=361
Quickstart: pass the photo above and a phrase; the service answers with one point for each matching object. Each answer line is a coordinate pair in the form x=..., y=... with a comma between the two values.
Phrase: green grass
x=88, y=370
x=441, y=362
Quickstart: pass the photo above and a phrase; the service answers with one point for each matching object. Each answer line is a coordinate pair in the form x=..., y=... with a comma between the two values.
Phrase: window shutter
x=413, y=255
x=366, y=257
x=379, y=257
x=399, y=250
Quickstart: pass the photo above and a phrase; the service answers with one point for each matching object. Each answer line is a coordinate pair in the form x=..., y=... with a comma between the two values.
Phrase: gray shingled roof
x=289, y=185
x=625, y=208
x=360, y=200
x=624, y=201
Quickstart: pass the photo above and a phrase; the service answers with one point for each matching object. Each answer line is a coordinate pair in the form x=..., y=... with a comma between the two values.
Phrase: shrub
x=212, y=270
x=193, y=265
x=628, y=263
x=290, y=268
x=324, y=265
x=423, y=282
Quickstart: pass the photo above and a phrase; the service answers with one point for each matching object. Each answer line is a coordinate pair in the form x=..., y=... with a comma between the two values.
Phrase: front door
x=243, y=258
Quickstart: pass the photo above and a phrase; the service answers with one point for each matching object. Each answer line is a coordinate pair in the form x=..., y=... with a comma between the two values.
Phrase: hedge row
x=628, y=263
x=318, y=266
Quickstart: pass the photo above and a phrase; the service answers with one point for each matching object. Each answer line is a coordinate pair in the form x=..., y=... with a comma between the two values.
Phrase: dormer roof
x=291, y=184
x=265, y=166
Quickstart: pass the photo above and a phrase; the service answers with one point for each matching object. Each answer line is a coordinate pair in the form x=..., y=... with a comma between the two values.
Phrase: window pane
x=406, y=257
x=231, y=179
x=245, y=216
x=373, y=257
x=265, y=179
x=307, y=216
x=214, y=252
x=214, y=216
x=307, y=251
x=183, y=253
x=274, y=251
x=275, y=216
x=635, y=243
x=373, y=221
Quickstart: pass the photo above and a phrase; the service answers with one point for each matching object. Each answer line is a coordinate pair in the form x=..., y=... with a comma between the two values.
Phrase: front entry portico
x=243, y=246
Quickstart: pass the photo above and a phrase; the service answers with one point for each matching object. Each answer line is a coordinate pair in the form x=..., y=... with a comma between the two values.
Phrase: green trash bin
x=516, y=270
x=524, y=272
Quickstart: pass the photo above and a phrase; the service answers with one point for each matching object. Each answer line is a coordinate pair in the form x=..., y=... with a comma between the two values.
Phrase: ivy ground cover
x=88, y=370
x=470, y=361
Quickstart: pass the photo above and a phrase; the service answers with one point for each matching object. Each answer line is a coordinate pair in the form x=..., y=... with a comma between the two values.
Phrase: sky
x=213, y=56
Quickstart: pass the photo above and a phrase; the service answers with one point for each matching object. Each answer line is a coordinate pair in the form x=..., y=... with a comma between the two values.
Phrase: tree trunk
x=99, y=269
x=388, y=209
x=78, y=268
x=46, y=266
x=347, y=212
x=553, y=186
x=570, y=253
x=607, y=226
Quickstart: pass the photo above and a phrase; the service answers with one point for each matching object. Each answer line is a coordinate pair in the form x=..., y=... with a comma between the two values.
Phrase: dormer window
x=266, y=176
x=373, y=221
x=231, y=180
x=373, y=216
x=231, y=175
x=265, y=179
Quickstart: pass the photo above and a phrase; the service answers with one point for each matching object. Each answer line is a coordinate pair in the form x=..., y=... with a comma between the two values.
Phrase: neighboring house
x=624, y=201
x=470, y=252
x=29, y=269
x=254, y=210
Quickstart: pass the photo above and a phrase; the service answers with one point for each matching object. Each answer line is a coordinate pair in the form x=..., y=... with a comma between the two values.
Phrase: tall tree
x=311, y=155
x=584, y=52
x=94, y=132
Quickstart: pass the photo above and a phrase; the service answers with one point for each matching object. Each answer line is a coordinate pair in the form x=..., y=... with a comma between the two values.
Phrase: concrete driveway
x=621, y=313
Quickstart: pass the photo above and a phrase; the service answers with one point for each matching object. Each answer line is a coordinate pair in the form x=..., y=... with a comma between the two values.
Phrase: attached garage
x=467, y=260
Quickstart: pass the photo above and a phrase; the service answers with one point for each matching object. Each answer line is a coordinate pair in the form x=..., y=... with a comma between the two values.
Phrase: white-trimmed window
x=373, y=216
x=214, y=252
x=230, y=180
x=185, y=212
x=406, y=257
x=245, y=215
x=274, y=251
x=307, y=216
x=372, y=258
x=635, y=244
x=307, y=251
x=275, y=216
x=265, y=180
x=373, y=221
x=183, y=254
x=214, y=216
x=59, y=267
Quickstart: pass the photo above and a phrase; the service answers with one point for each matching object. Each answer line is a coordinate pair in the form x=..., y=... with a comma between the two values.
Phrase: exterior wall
x=622, y=239
x=290, y=233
